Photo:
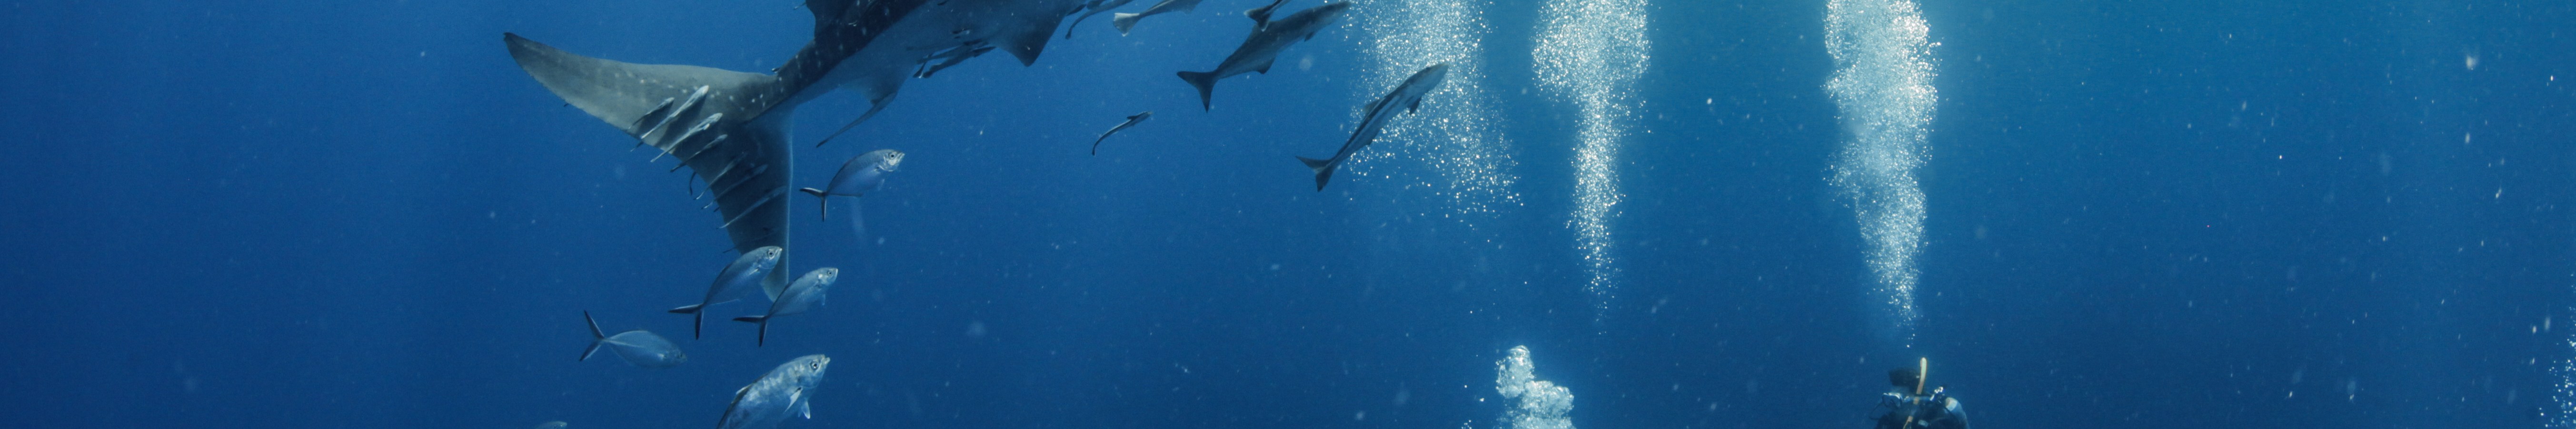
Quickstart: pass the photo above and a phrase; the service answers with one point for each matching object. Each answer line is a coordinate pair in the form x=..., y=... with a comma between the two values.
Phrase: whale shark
x=730, y=128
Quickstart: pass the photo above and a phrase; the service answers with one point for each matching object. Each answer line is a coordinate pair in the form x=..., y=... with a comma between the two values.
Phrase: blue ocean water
x=2136, y=214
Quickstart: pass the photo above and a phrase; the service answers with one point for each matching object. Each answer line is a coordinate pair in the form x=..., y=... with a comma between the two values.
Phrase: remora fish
x=1261, y=15
x=1131, y=121
x=805, y=294
x=1263, y=46
x=951, y=57
x=743, y=272
x=785, y=391
x=1407, y=97
x=857, y=177
x=1126, y=21
x=638, y=347
x=730, y=128
x=1019, y=27
x=1096, y=7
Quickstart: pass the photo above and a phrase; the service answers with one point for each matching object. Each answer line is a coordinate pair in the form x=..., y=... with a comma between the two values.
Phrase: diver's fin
x=1323, y=170
x=1124, y=21
x=1205, y=82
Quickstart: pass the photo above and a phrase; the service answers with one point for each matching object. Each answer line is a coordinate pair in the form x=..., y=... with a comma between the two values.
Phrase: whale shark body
x=731, y=128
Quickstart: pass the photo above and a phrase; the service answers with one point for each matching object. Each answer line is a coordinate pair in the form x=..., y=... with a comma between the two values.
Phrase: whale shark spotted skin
x=731, y=128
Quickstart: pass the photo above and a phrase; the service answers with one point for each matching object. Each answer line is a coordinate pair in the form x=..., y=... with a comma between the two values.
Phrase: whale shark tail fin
x=1323, y=170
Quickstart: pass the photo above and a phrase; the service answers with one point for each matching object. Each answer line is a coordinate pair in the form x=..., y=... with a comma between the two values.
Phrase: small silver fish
x=638, y=347
x=1096, y=7
x=857, y=177
x=1127, y=21
x=805, y=294
x=1261, y=15
x=785, y=391
x=1131, y=121
x=744, y=273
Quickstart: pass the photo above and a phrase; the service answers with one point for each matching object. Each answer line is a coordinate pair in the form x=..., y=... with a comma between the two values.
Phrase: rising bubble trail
x=1454, y=132
x=1882, y=83
x=1590, y=53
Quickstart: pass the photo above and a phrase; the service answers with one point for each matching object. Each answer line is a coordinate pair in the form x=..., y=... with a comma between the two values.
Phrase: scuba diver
x=1909, y=407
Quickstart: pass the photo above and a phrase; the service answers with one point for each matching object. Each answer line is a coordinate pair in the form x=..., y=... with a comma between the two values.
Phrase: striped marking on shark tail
x=596, y=336
x=764, y=327
x=1205, y=82
x=1323, y=170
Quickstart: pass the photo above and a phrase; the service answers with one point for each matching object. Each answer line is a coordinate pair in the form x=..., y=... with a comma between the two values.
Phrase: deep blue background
x=2142, y=214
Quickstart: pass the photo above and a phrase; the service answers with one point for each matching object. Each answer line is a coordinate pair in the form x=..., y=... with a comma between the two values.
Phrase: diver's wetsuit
x=1934, y=411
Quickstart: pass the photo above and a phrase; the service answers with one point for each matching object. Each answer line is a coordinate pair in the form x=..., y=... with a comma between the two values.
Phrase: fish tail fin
x=596, y=337
x=699, y=329
x=1124, y=21
x=764, y=327
x=1205, y=82
x=594, y=325
x=826, y=201
x=1323, y=170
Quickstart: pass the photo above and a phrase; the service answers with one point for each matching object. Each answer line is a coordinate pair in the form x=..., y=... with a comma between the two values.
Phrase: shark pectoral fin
x=1027, y=45
x=1323, y=170
x=1416, y=107
x=1124, y=21
x=1264, y=68
x=1205, y=82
